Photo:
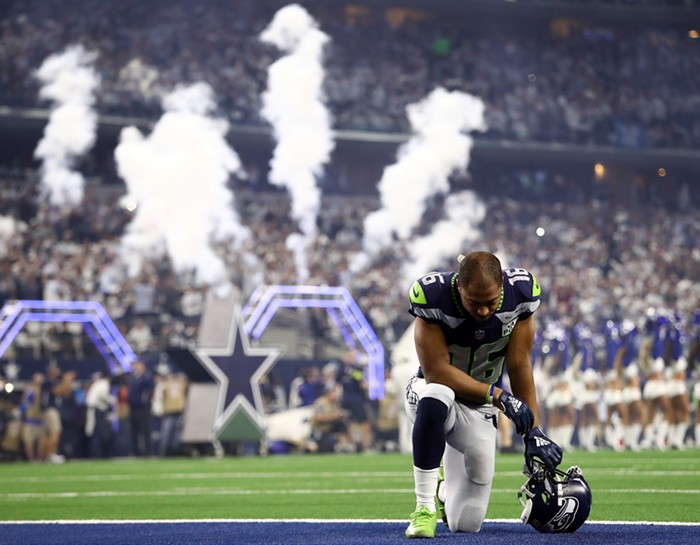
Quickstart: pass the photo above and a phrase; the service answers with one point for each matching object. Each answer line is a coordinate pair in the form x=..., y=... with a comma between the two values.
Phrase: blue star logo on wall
x=238, y=369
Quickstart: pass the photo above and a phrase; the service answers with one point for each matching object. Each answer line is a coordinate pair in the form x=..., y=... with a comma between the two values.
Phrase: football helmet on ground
x=555, y=502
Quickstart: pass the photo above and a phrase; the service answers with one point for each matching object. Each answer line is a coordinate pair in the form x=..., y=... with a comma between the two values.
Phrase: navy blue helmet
x=555, y=502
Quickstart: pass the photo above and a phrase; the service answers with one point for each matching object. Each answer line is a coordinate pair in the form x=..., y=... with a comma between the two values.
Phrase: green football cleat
x=440, y=505
x=423, y=523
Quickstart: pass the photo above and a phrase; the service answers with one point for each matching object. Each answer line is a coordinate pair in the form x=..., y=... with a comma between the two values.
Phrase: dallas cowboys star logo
x=238, y=369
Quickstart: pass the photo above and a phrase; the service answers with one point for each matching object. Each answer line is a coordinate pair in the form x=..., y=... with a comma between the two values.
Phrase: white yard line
x=203, y=491
x=230, y=475
x=633, y=472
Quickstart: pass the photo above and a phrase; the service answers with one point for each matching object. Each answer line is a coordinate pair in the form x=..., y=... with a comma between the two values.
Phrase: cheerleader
x=559, y=403
x=631, y=385
x=587, y=395
x=655, y=391
x=677, y=385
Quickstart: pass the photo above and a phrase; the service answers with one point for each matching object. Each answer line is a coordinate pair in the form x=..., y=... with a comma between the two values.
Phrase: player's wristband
x=489, y=394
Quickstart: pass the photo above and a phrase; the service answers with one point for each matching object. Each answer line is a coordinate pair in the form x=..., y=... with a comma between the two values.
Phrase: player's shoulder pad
x=524, y=282
x=425, y=290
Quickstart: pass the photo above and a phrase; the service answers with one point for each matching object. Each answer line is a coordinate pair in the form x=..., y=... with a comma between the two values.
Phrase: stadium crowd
x=565, y=83
x=602, y=261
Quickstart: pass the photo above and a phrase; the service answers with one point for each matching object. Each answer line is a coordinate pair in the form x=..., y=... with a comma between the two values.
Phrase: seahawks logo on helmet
x=566, y=515
x=555, y=502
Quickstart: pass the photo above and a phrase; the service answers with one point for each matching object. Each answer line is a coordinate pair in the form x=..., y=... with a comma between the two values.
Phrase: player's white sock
x=697, y=435
x=425, y=482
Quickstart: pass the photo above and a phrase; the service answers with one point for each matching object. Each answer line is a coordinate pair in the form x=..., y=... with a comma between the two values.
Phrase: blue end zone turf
x=327, y=533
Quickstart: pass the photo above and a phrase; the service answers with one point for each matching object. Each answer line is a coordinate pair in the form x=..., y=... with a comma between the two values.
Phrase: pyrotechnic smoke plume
x=464, y=211
x=177, y=184
x=439, y=146
x=69, y=81
x=293, y=104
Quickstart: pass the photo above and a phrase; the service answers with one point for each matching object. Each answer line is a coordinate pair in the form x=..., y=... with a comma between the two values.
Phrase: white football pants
x=469, y=460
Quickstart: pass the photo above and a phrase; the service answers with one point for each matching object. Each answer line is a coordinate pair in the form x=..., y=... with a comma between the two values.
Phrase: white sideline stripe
x=317, y=521
x=200, y=491
x=307, y=475
x=233, y=475
x=243, y=492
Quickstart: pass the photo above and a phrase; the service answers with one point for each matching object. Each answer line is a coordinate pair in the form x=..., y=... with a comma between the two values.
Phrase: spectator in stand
x=295, y=388
x=329, y=424
x=594, y=103
x=274, y=394
x=354, y=401
x=311, y=387
x=140, y=337
x=11, y=435
x=174, y=402
x=32, y=423
x=141, y=386
x=121, y=444
x=192, y=303
x=306, y=387
x=386, y=425
x=100, y=403
x=157, y=404
x=54, y=390
x=144, y=299
x=329, y=374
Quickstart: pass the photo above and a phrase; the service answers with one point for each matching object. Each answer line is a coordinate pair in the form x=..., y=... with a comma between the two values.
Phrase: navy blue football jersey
x=477, y=348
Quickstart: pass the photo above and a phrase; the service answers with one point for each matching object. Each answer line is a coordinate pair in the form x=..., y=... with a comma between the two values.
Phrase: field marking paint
x=316, y=521
x=310, y=474
x=217, y=476
x=198, y=491
x=202, y=491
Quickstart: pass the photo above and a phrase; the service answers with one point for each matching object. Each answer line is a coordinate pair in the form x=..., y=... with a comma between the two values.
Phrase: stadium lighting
x=96, y=323
x=599, y=171
x=264, y=303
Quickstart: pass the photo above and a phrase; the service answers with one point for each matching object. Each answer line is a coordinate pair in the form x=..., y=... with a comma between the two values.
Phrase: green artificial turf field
x=635, y=486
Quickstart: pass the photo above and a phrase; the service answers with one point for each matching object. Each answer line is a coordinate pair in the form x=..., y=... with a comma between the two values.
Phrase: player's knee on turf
x=469, y=518
x=468, y=522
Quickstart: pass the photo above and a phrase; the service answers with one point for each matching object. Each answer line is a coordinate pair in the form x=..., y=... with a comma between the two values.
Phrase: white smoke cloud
x=176, y=179
x=447, y=239
x=440, y=145
x=69, y=80
x=294, y=105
